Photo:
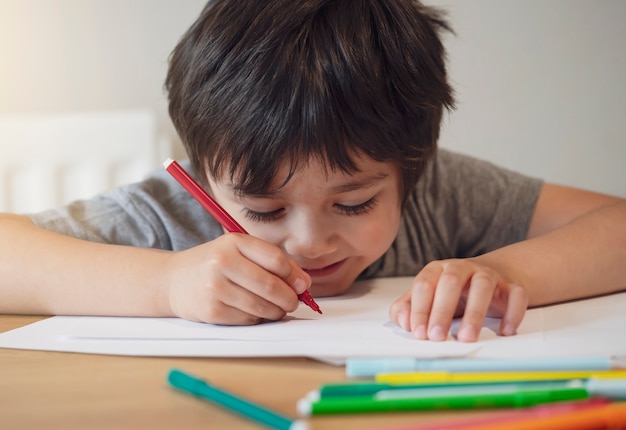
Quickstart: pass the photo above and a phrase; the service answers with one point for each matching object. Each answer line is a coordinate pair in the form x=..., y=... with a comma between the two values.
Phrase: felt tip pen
x=397, y=403
x=440, y=376
x=218, y=212
x=201, y=389
x=614, y=389
x=369, y=367
x=502, y=419
x=611, y=416
x=383, y=390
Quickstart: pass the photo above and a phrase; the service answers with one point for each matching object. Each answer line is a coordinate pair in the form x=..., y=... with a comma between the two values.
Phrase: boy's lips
x=326, y=270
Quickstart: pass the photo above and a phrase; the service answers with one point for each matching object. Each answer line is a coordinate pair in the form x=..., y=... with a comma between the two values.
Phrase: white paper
x=584, y=328
x=353, y=325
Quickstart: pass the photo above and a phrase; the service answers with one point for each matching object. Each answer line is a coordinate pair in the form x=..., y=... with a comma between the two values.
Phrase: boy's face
x=333, y=224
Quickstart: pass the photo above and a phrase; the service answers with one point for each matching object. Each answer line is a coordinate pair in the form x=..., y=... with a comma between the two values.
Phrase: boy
x=314, y=123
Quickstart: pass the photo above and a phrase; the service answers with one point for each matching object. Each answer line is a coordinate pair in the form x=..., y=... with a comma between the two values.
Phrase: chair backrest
x=49, y=160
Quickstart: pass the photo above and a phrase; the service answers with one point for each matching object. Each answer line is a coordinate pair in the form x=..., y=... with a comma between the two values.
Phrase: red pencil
x=218, y=212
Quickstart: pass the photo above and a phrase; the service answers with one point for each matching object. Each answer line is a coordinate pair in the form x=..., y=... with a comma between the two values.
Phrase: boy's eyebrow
x=361, y=183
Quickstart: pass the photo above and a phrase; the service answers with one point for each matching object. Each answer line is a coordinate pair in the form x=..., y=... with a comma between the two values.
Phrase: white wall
x=74, y=55
x=541, y=87
x=540, y=83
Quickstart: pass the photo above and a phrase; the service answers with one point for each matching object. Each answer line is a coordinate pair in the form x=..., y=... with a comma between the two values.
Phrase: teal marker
x=398, y=400
x=199, y=388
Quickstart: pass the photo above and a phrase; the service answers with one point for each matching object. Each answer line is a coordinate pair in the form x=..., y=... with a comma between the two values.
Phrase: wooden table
x=55, y=390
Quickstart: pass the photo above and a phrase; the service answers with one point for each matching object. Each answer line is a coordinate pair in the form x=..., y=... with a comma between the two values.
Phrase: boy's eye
x=262, y=216
x=275, y=214
x=357, y=209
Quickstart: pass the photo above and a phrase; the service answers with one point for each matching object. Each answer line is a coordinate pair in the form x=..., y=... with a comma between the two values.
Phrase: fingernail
x=403, y=322
x=420, y=332
x=467, y=333
x=508, y=330
x=300, y=285
x=436, y=333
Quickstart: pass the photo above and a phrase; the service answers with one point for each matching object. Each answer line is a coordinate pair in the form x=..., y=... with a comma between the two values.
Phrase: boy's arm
x=576, y=248
x=234, y=279
x=42, y=272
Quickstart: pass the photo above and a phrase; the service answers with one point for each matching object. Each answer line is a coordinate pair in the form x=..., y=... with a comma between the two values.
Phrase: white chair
x=49, y=160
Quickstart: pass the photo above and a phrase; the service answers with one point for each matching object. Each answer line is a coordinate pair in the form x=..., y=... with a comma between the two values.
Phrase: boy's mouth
x=326, y=270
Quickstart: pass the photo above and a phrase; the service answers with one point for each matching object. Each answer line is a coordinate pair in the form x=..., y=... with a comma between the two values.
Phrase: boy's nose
x=311, y=238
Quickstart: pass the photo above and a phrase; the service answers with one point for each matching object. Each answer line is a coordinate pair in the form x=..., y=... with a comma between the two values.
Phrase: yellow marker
x=429, y=377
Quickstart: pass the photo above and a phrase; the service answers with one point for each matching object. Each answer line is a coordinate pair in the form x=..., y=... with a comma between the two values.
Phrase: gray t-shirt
x=461, y=207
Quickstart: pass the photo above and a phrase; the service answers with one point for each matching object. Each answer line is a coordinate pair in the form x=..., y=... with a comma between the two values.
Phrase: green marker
x=199, y=388
x=344, y=389
x=413, y=400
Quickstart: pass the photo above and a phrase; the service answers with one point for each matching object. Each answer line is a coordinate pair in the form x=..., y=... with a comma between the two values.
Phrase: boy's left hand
x=446, y=289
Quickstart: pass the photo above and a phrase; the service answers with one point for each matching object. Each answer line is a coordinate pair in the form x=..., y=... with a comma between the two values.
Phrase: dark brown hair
x=257, y=83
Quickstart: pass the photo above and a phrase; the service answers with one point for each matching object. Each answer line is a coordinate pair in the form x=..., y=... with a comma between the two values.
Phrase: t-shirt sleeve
x=154, y=213
x=461, y=207
x=476, y=206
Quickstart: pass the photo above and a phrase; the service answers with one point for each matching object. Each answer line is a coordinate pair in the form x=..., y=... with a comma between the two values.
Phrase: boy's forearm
x=587, y=257
x=46, y=273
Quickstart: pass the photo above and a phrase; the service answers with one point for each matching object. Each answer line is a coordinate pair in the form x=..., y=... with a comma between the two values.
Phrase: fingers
x=274, y=260
x=422, y=301
x=209, y=296
x=400, y=311
x=239, y=306
x=514, y=313
x=235, y=280
x=253, y=289
x=297, y=278
x=443, y=283
x=448, y=288
x=481, y=289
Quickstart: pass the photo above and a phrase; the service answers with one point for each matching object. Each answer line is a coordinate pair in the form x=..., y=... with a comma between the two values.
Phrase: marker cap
x=358, y=368
x=614, y=389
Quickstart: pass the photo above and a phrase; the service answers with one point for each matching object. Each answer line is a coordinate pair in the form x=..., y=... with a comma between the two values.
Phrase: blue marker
x=359, y=367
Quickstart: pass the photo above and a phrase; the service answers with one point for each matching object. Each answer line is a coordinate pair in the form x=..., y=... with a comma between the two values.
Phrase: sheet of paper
x=585, y=328
x=353, y=325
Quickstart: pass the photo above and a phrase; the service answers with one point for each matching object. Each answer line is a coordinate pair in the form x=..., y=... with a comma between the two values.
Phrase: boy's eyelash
x=262, y=216
x=358, y=209
x=347, y=210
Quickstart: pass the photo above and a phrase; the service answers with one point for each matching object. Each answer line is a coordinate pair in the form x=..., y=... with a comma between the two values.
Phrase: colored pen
x=429, y=390
x=500, y=419
x=392, y=402
x=605, y=387
x=440, y=376
x=218, y=212
x=614, y=389
x=611, y=416
x=369, y=367
x=201, y=389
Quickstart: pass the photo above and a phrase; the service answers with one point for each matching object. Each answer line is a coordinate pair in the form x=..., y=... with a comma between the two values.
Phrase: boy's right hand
x=235, y=279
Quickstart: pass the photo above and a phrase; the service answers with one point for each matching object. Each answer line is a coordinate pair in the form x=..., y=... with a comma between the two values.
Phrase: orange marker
x=610, y=416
